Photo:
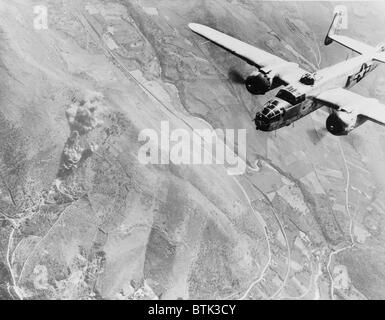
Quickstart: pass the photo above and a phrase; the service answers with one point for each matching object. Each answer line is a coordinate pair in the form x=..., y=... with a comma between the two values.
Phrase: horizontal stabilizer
x=339, y=23
x=355, y=45
x=380, y=57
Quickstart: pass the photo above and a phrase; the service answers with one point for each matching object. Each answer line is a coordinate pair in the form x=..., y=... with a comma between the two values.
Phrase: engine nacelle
x=259, y=83
x=340, y=123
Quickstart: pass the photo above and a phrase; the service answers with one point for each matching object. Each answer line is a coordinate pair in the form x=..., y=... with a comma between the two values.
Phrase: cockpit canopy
x=291, y=95
x=272, y=111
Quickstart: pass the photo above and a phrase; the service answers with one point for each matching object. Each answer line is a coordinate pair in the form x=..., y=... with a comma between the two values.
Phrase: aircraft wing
x=269, y=63
x=348, y=101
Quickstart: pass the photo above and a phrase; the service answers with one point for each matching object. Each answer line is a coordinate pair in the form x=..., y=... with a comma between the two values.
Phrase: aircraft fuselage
x=297, y=100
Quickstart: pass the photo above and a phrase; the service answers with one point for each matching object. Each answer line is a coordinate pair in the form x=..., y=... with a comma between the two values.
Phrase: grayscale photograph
x=207, y=150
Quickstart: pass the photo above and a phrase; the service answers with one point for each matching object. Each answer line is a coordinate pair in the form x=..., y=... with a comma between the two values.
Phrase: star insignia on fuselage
x=364, y=70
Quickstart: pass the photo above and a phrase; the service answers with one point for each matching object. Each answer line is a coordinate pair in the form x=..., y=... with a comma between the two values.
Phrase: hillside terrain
x=81, y=218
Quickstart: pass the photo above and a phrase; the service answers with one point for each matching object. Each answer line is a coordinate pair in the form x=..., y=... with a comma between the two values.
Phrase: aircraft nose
x=260, y=121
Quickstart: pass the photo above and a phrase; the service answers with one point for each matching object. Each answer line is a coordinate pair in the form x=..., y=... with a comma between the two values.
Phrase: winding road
x=352, y=244
x=89, y=27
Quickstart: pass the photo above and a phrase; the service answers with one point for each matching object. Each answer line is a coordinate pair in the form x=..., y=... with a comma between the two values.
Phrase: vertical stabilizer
x=340, y=22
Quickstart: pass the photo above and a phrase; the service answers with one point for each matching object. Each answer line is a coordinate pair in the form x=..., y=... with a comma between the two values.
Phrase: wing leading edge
x=348, y=101
x=267, y=62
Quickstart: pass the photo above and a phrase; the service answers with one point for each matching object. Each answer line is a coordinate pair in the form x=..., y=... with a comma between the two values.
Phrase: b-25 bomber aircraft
x=305, y=92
